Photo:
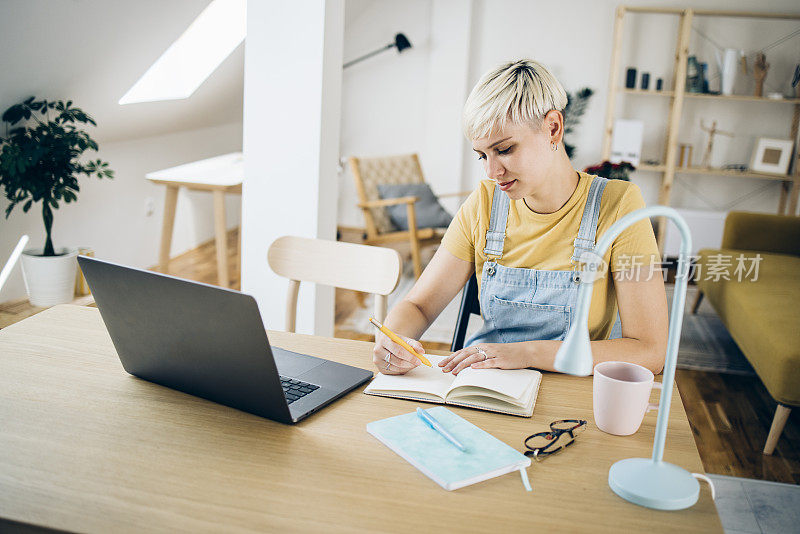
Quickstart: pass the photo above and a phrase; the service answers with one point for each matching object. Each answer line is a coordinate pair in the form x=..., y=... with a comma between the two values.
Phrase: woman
x=523, y=229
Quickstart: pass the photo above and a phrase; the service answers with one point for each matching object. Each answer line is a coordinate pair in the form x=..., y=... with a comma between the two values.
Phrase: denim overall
x=521, y=304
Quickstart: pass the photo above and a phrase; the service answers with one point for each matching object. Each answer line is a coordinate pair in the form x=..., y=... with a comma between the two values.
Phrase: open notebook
x=509, y=391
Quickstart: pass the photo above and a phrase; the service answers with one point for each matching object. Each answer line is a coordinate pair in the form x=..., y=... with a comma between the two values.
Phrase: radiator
x=706, y=227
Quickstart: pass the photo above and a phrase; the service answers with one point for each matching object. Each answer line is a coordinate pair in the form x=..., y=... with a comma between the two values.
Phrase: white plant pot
x=50, y=280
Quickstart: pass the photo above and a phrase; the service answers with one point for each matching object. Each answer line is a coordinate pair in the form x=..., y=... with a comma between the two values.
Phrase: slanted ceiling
x=93, y=51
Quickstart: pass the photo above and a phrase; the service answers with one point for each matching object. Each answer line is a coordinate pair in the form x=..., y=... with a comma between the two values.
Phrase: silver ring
x=388, y=355
x=481, y=351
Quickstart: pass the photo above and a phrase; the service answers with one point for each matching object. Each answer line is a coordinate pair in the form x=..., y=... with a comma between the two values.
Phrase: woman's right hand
x=392, y=359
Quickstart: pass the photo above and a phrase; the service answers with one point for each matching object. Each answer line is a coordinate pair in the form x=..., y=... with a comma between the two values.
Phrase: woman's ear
x=554, y=125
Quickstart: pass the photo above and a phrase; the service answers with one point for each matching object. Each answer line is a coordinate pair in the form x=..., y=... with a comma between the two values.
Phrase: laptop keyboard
x=296, y=389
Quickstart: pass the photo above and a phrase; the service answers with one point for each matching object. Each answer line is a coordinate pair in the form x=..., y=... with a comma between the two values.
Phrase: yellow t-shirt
x=544, y=241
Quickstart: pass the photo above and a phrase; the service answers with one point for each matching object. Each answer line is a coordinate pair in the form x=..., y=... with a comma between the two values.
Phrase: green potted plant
x=613, y=171
x=40, y=161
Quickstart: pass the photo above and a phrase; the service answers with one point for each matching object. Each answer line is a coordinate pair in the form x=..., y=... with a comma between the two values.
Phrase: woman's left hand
x=488, y=355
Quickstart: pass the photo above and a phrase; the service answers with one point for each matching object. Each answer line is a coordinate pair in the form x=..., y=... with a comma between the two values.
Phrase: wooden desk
x=218, y=175
x=86, y=447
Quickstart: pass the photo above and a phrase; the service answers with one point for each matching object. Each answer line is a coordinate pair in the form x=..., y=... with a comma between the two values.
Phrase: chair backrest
x=363, y=268
x=369, y=172
x=470, y=304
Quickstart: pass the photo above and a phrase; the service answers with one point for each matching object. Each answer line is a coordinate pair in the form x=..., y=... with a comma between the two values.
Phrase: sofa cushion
x=762, y=316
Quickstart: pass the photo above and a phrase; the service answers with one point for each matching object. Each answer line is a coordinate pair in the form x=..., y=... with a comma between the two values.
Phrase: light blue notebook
x=486, y=457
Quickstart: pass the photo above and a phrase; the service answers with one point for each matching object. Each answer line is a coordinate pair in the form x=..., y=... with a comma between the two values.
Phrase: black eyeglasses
x=561, y=435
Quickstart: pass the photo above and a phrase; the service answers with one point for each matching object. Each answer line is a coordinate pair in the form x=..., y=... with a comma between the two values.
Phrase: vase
x=50, y=280
x=726, y=62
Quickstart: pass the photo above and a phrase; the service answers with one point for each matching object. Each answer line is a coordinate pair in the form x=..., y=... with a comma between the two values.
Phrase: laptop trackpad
x=293, y=364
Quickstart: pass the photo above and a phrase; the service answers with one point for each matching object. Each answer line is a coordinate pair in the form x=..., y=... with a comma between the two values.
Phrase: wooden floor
x=730, y=415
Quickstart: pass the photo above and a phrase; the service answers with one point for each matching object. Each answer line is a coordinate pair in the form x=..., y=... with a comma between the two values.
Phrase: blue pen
x=434, y=424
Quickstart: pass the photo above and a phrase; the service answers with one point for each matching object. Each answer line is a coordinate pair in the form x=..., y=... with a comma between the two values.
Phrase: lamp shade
x=574, y=356
x=401, y=42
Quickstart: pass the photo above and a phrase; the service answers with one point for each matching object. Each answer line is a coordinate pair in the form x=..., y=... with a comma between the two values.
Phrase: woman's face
x=517, y=158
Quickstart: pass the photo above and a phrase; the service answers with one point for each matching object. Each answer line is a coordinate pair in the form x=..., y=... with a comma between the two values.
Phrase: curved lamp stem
x=657, y=485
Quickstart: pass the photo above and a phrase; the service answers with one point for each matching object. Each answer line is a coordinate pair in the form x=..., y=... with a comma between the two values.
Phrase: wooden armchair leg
x=416, y=257
x=698, y=299
x=778, y=422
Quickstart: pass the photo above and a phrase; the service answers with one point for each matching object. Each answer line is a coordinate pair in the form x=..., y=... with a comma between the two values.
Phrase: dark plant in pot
x=41, y=158
x=614, y=171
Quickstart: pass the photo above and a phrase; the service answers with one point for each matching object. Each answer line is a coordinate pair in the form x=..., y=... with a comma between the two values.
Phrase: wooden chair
x=402, y=169
x=346, y=265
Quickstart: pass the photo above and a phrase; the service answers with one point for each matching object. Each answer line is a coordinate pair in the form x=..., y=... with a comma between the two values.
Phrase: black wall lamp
x=400, y=41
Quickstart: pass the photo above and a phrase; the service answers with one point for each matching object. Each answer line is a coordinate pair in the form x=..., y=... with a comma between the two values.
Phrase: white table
x=219, y=175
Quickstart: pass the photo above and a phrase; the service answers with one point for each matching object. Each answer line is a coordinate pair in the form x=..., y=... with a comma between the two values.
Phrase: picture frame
x=772, y=156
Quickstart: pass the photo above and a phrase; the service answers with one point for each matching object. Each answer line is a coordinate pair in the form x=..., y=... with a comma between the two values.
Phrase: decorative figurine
x=694, y=82
x=645, y=80
x=710, y=146
x=704, y=76
x=685, y=155
x=660, y=82
x=760, y=67
x=630, y=78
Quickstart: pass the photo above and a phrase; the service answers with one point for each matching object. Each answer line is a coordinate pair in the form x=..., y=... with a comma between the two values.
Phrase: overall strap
x=588, y=229
x=496, y=234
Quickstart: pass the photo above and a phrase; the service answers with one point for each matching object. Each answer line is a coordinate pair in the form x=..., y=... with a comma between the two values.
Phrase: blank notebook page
x=422, y=378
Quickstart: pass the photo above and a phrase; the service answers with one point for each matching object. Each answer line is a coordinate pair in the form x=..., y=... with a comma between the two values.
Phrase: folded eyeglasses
x=561, y=435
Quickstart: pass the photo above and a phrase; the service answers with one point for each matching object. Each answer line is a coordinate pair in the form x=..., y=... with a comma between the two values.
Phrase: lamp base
x=661, y=485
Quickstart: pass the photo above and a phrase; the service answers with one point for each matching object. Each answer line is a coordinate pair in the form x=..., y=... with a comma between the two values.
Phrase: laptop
x=210, y=342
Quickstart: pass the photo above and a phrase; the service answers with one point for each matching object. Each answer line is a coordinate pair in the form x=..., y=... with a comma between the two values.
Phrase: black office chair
x=469, y=305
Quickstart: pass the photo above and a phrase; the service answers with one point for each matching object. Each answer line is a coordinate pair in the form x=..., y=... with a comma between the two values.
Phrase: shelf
x=654, y=168
x=715, y=172
x=709, y=12
x=738, y=98
x=688, y=105
x=744, y=98
x=646, y=92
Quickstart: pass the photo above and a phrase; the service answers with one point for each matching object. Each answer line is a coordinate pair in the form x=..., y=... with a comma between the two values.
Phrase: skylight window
x=186, y=64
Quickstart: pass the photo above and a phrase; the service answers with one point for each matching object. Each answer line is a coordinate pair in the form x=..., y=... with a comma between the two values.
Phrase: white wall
x=388, y=100
x=383, y=97
x=291, y=140
x=109, y=215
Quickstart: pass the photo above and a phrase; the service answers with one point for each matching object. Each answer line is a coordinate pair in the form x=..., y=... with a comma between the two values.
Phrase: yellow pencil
x=394, y=337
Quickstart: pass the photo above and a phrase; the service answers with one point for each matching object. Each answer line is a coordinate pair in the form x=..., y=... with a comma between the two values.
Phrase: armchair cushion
x=430, y=214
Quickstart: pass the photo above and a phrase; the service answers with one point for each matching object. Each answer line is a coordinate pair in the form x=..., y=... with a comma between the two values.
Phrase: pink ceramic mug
x=622, y=396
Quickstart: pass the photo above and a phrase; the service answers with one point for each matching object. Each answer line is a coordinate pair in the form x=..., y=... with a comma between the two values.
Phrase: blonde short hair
x=521, y=91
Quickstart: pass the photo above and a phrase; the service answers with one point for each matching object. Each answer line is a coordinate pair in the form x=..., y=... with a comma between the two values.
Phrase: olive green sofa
x=760, y=307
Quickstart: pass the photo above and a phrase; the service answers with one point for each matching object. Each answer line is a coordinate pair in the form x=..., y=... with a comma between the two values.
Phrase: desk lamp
x=649, y=482
x=401, y=42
